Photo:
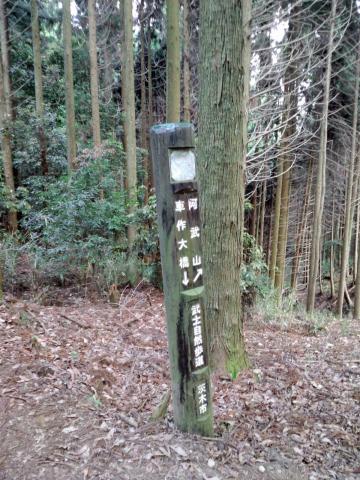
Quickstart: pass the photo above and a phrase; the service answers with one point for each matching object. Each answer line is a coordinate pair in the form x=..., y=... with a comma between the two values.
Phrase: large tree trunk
x=6, y=117
x=321, y=176
x=129, y=107
x=69, y=86
x=39, y=97
x=94, y=77
x=172, y=61
x=350, y=197
x=186, y=71
x=224, y=98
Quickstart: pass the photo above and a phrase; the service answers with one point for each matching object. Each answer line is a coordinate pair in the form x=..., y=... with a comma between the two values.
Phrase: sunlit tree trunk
x=69, y=86
x=321, y=175
x=39, y=97
x=94, y=76
x=6, y=118
x=129, y=107
x=224, y=98
x=290, y=103
x=172, y=61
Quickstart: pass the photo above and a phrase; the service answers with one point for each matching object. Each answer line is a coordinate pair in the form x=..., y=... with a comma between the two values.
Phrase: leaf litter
x=79, y=381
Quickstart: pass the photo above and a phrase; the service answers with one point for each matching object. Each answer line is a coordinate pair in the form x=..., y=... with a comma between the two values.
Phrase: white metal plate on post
x=182, y=166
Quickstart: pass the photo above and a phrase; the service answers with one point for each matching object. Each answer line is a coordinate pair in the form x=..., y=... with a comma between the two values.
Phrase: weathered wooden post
x=174, y=166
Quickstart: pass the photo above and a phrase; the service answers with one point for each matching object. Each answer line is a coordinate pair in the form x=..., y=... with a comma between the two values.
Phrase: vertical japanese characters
x=188, y=248
x=188, y=240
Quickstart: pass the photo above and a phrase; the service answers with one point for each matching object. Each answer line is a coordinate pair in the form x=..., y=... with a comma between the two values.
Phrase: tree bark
x=129, y=107
x=332, y=282
x=6, y=118
x=39, y=97
x=186, y=67
x=262, y=215
x=301, y=231
x=108, y=75
x=94, y=76
x=172, y=61
x=69, y=86
x=144, y=109
x=350, y=197
x=321, y=177
x=224, y=98
x=276, y=222
x=150, y=79
x=290, y=102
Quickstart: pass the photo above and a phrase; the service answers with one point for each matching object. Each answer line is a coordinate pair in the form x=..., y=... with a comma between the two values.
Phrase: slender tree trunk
x=172, y=61
x=94, y=77
x=1, y=273
x=269, y=239
x=254, y=213
x=301, y=230
x=262, y=215
x=224, y=98
x=6, y=117
x=144, y=109
x=290, y=101
x=39, y=97
x=350, y=197
x=150, y=79
x=356, y=314
x=332, y=282
x=8, y=109
x=356, y=251
x=283, y=228
x=187, y=77
x=69, y=86
x=108, y=75
x=321, y=177
x=276, y=221
x=129, y=107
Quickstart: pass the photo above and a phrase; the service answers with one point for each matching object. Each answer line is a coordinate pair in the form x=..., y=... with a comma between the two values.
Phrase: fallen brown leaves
x=78, y=384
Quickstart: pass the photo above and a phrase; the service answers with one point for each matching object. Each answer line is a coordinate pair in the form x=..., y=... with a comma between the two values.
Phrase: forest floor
x=79, y=380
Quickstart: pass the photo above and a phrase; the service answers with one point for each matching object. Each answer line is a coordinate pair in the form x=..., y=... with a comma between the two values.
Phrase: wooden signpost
x=174, y=167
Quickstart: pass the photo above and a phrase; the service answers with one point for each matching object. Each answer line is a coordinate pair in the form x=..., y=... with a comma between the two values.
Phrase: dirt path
x=79, y=381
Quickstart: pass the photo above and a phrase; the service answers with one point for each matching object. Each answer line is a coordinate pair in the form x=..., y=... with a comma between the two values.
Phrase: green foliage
x=10, y=253
x=26, y=151
x=76, y=225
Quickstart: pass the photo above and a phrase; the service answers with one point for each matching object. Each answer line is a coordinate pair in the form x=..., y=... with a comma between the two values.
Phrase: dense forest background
x=77, y=201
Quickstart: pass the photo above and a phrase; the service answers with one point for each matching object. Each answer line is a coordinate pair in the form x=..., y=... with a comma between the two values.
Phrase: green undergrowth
x=289, y=313
x=73, y=228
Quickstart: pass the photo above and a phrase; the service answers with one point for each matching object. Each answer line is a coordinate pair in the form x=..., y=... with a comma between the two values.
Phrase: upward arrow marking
x=198, y=274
